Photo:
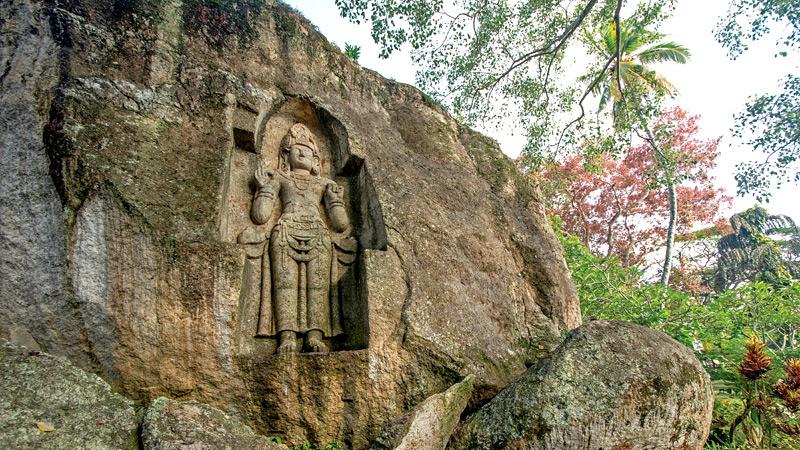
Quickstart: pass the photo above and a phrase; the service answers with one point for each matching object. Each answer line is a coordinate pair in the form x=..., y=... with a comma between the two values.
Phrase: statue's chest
x=306, y=192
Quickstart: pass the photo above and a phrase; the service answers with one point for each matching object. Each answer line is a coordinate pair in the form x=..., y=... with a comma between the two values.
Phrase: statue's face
x=301, y=157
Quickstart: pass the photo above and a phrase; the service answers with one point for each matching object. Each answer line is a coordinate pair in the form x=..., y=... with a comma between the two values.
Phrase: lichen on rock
x=611, y=384
x=47, y=403
x=176, y=425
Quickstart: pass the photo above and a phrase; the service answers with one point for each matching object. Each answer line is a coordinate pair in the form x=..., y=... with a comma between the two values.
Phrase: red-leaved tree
x=619, y=207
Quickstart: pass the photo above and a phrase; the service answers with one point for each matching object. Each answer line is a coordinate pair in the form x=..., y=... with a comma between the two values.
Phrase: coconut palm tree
x=629, y=83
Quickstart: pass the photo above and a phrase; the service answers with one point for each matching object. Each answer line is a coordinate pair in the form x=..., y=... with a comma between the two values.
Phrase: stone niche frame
x=256, y=133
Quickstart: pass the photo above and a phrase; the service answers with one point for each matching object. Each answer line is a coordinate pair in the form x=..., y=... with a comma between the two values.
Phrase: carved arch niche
x=256, y=137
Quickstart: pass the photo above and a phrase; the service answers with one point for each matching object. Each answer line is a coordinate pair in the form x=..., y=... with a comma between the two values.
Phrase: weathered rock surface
x=130, y=134
x=610, y=385
x=430, y=425
x=47, y=403
x=175, y=425
x=33, y=276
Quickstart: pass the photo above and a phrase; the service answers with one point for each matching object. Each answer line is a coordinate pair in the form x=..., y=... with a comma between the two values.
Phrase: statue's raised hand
x=264, y=175
x=334, y=192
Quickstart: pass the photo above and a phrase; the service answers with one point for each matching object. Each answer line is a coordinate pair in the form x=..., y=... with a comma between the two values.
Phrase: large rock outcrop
x=609, y=385
x=174, y=425
x=130, y=135
x=48, y=403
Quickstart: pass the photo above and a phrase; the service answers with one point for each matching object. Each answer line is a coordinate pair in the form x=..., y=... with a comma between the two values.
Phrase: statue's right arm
x=264, y=198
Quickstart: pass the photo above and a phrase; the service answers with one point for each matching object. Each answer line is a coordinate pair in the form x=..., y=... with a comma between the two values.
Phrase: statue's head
x=299, y=150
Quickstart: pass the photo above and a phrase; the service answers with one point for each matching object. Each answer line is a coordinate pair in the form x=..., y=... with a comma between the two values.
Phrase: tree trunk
x=610, y=234
x=673, y=219
x=666, y=269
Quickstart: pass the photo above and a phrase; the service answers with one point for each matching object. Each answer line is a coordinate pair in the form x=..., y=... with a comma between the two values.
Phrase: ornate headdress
x=299, y=134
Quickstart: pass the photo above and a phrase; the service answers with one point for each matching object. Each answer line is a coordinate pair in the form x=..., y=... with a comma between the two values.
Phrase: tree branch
x=551, y=48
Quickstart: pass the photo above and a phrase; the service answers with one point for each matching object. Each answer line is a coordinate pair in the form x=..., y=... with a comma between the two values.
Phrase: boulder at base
x=47, y=403
x=608, y=385
x=173, y=425
x=430, y=424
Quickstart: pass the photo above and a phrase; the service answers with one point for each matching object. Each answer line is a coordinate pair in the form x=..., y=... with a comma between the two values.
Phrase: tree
x=488, y=59
x=615, y=206
x=484, y=59
x=770, y=123
x=751, y=252
x=634, y=90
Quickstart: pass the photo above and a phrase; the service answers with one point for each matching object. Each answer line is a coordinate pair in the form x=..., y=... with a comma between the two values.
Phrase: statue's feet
x=288, y=343
x=314, y=342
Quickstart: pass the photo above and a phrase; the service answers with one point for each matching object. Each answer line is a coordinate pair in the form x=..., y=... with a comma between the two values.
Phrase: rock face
x=610, y=385
x=430, y=424
x=173, y=425
x=132, y=131
x=47, y=403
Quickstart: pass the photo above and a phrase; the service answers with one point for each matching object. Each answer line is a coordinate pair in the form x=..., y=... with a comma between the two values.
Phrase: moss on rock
x=47, y=403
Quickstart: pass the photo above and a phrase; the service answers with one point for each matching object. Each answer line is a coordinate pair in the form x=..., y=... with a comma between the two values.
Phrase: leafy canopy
x=616, y=206
x=488, y=60
x=753, y=252
x=770, y=123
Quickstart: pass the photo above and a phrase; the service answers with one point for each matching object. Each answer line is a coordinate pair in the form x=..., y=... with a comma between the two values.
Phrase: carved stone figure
x=300, y=263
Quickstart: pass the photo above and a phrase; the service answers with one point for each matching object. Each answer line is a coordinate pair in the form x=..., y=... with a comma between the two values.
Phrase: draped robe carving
x=301, y=256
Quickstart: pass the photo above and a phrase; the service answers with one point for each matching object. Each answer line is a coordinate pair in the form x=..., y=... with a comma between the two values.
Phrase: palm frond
x=630, y=40
x=661, y=83
x=778, y=223
x=603, y=98
x=610, y=38
x=663, y=52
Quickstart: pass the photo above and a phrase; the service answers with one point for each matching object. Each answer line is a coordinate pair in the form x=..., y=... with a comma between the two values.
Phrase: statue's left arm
x=334, y=205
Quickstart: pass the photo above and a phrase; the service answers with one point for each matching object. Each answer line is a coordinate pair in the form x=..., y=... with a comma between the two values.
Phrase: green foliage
x=609, y=291
x=750, y=20
x=726, y=410
x=631, y=85
x=770, y=123
x=352, y=51
x=716, y=326
x=491, y=61
x=750, y=254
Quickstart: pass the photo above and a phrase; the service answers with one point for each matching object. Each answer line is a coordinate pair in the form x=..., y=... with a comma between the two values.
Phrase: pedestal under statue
x=300, y=264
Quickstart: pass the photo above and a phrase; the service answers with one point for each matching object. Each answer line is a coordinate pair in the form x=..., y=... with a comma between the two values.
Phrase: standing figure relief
x=301, y=258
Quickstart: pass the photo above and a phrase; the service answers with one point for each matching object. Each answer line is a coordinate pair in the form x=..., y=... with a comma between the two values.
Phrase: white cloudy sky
x=710, y=85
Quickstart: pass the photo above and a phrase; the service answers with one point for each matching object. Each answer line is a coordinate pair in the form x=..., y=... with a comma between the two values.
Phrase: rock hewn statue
x=299, y=261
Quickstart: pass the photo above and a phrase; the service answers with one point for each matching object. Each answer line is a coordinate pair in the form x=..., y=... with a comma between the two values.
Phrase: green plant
x=770, y=405
x=750, y=252
x=770, y=123
x=352, y=51
x=716, y=326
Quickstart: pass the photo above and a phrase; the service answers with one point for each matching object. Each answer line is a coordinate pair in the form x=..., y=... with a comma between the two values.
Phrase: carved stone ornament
x=301, y=256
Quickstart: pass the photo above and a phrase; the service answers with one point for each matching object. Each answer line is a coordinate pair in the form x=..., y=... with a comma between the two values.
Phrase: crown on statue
x=299, y=134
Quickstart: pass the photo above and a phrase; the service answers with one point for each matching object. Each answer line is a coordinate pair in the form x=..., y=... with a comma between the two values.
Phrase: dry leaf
x=44, y=427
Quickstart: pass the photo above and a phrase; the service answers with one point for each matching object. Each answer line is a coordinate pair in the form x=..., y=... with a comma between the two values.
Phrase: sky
x=710, y=85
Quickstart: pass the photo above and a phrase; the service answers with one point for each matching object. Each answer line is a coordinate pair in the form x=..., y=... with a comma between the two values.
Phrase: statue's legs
x=319, y=308
x=284, y=285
